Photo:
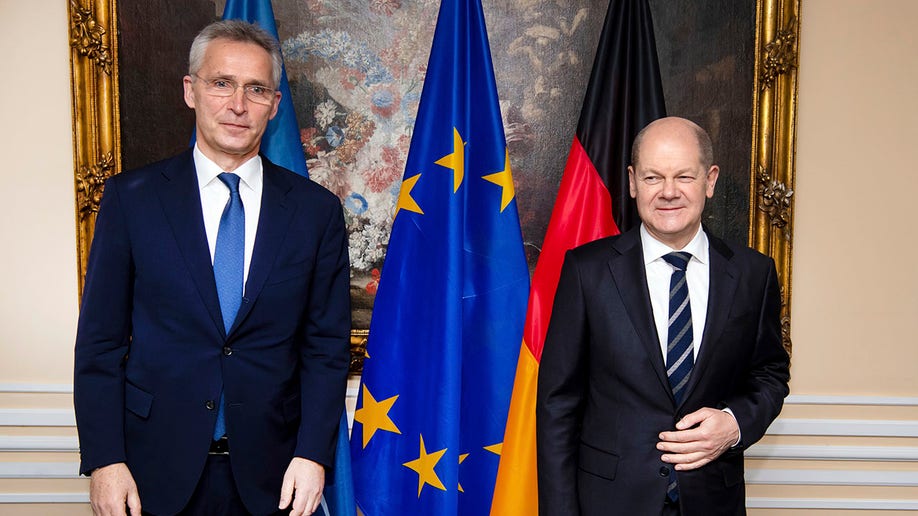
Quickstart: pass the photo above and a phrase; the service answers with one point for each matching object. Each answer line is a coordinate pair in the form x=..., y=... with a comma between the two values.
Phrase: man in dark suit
x=212, y=348
x=663, y=359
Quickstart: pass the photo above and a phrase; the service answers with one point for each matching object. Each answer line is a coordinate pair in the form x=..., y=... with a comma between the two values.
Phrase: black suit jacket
x=604, y=397
x=152, y=354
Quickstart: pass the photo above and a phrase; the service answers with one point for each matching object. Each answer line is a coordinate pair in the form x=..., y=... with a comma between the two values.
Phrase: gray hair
x=240, y=31
x=705, y=147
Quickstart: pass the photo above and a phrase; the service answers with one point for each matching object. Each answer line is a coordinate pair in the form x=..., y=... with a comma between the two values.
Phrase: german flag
x=624, y=94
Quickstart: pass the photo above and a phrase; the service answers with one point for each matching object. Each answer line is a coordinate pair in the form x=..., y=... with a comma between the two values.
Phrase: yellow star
x=375, y=416
x=405, y=201
x=424, y=467
x=504, y=179
x=455, y=161
x=462, y=458
x=495, y=448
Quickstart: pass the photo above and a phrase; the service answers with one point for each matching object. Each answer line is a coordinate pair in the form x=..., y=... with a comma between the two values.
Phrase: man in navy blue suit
x=195, y=394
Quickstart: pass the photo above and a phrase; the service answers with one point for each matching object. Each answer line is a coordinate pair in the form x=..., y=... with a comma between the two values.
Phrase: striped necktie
x=229, y=263
x=680, y=353
x=679, y=350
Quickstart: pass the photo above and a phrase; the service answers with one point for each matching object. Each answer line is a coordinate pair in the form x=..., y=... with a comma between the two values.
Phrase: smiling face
x=670, y=183
x=229, y=129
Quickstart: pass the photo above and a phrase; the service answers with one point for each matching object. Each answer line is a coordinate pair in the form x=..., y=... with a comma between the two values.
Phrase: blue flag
x=281, y=145
x=281, y=141
x=448, y=317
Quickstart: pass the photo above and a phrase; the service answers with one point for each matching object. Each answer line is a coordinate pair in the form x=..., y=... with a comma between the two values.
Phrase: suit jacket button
x=210, y=405
x=227, y=351
x=664, y=471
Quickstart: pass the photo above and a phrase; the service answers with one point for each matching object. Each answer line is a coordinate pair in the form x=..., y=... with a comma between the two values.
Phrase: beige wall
x=855, y=310
x=38, y=299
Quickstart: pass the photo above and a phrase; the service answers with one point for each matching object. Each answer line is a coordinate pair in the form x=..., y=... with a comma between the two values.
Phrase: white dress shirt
x=698, y=277
x=659, y=272
x=214, y=194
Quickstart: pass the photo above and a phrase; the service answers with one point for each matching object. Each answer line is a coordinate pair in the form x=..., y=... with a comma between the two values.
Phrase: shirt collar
x=655, y=250
x=249, y=172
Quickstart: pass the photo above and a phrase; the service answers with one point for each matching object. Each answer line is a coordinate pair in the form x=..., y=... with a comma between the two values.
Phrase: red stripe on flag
x=582, y=213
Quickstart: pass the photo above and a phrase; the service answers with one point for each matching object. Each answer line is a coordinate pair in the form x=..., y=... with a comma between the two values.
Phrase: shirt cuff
x=738, y=430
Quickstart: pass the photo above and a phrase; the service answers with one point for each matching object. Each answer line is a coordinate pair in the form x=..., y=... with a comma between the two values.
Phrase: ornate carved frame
x=97, y=147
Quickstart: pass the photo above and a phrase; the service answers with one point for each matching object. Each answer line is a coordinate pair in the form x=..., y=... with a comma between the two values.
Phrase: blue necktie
x=229, y=262
x=680, y=353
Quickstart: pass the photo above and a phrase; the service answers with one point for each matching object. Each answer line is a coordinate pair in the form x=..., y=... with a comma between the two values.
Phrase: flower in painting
x=373, y=284
x=356, y=203
x=387, y=7
x=390, y=155
x=324, y=169
x=360, y=127
x=347, y=151
x=367, y=245
x=310, y=140
x=350, y=78
x=378, y=179
x=325, y=113
x=385, y=100
x=334, y=136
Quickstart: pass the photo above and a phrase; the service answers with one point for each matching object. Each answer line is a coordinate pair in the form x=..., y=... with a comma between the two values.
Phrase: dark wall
x=706, y=51
x=153, y=41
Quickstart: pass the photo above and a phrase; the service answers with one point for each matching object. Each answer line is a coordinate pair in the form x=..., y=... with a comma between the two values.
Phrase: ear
x=711, y=180
x=189, y=93
x=632, y=185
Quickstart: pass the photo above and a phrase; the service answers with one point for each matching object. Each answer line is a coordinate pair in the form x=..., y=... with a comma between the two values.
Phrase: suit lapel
x=181, y=203
x=630, y=277
x=721, y=290
x=273, y=222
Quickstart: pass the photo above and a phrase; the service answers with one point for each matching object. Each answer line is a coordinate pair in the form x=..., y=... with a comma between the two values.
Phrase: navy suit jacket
x=152, y=354
x=604, y=397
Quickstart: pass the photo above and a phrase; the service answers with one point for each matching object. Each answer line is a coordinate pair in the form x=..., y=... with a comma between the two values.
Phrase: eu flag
x=448, y=318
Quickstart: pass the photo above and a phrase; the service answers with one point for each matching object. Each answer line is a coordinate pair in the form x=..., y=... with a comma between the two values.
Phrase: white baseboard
x=38, y=443
x=824, y=477
x=37, y=417
x=40, y=388
x=844, y=427
x=859, y=453
x=867, y=401
x=39, y=470
x=44, y=498
x=832, y=504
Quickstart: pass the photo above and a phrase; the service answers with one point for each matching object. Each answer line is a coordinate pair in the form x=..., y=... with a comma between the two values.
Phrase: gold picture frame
x=97, y=143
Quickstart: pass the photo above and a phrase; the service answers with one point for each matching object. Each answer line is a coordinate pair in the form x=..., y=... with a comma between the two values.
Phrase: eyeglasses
x=220, y=87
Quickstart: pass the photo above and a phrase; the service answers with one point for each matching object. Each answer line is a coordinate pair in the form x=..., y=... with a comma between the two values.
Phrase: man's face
x=229, y=129
x=670, y=185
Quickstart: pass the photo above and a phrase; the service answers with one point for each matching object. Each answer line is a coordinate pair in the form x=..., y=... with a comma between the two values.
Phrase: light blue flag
x=281, y=144
x=448, y=316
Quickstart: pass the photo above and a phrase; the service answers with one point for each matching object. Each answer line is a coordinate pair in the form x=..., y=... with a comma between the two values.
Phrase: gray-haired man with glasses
x=212, y=348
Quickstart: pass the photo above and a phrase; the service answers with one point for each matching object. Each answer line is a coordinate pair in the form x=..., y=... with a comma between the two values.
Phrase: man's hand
x=110, y=488
x=303, y=483
x=700, y=437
